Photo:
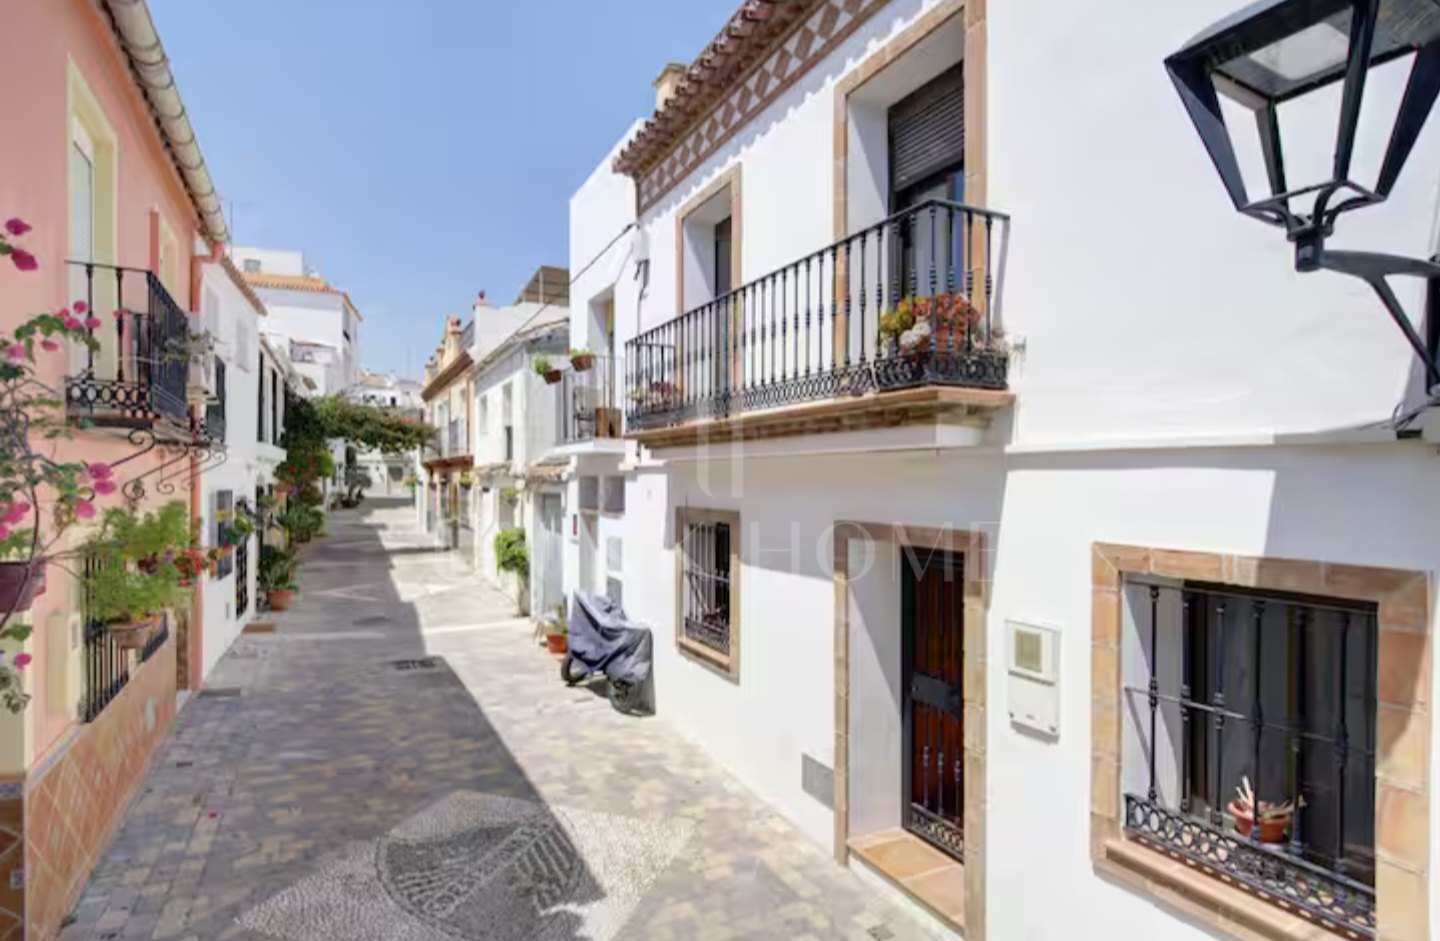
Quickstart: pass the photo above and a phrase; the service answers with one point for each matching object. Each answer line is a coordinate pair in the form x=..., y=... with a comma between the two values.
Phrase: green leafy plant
x=120, y=594
x=137, y=537
x=542, y=365
x=301, y=522
x=511, y=553
x=277, y=569
x=560, y=623
x=509, y=495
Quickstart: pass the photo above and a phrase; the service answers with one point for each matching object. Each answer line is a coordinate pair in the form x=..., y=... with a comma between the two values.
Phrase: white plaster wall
x=235, y=324
x=602, y=250
x=1150, y=306
x=1258, y=501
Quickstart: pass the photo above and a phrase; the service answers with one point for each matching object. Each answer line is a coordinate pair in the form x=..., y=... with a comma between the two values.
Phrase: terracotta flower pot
x=1272, y=830
x=132, y=635
x=556, y=643
x=582, y=361
x=552, y=376
x=20, y=584
x=281, y=599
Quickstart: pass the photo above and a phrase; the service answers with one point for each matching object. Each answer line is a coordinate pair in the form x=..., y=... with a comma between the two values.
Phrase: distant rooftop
x=548, y=285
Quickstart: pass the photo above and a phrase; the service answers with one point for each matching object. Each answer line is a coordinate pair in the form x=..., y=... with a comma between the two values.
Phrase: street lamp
x=1277, y=51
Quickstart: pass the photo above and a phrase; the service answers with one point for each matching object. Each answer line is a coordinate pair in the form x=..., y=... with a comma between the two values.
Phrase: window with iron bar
x=707, y=593
x=1236, y=698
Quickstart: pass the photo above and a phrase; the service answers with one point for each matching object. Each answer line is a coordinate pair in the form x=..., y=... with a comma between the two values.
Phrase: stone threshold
x=917, y=869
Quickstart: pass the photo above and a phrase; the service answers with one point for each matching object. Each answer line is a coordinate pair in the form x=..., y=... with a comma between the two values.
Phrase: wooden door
x=933, y=622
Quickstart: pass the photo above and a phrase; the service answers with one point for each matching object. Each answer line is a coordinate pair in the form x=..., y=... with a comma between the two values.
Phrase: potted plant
x=509, y=496
x=557, y=630
x=581, y=359
x=1274, y=818
x=512, y=555
x=277, y=577
x=546, y=369
x=130, y=601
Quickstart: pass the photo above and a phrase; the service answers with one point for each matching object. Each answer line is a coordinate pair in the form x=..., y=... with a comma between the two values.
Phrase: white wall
x=271, y=260
x=235, y=325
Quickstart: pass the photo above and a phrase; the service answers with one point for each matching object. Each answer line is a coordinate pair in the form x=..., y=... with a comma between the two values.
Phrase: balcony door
x=927, y=162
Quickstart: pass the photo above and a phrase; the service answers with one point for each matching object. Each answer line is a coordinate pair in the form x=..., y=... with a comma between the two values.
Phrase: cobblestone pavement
x=318, y=791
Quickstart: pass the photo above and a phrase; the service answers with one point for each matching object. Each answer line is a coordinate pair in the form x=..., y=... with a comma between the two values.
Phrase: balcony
x=137, y=376
x=587, y=407
x=214, y=429
x=896, y=324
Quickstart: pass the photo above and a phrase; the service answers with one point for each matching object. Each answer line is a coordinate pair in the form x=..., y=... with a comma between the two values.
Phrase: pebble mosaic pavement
x=316, y=792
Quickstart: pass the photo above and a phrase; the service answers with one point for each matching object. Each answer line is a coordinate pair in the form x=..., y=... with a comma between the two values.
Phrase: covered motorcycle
x=603, y=640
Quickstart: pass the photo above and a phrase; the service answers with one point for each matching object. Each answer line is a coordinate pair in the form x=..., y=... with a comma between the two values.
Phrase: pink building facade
x=91, y=161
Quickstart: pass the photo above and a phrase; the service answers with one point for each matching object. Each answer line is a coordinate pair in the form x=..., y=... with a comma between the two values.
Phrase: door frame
x=897, y=537
x=955, y=561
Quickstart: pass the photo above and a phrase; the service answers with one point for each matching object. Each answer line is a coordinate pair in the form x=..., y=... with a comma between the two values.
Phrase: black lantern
x=1277, y=51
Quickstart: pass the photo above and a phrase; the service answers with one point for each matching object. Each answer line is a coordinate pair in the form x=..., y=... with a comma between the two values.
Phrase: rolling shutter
x=927, y=130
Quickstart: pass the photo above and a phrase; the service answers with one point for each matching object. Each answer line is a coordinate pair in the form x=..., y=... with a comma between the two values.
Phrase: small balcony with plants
x=587, y=401
x=898, y=324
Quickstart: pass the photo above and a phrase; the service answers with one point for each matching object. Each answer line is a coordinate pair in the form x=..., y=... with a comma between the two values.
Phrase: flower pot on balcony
x=20, y=584
x=581, y=362
x=552, y=376
x=557, y=643
x=1272, y=829
x=132, y=635
x=280, y=599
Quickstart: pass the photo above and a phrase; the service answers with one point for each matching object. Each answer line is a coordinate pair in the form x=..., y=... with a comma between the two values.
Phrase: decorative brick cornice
x=765, y=48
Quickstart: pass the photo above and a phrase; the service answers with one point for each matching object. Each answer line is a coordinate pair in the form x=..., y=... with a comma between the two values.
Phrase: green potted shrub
x=137, y=577
x=276, y=577
x=512, y=555
x=546, y=369
x=581, y=359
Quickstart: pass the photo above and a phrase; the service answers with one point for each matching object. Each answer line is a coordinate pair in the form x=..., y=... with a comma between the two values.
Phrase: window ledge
x=723, y=666
x=1207, y=896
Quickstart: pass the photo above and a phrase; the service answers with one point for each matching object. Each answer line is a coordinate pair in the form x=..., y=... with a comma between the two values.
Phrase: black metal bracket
x=1375, y=270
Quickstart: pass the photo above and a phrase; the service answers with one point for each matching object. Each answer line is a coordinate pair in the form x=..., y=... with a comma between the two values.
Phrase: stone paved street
x=317, y=792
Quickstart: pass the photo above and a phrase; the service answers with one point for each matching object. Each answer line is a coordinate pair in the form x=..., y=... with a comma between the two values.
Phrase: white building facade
x=518, y=483
x=233, y=316
x=964, y=408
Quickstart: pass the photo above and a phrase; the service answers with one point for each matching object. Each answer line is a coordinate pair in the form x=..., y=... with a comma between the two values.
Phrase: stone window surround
x=975, y=59
x=726, y=666
x=731, y=178
x=972, y=544
x=1402, y=816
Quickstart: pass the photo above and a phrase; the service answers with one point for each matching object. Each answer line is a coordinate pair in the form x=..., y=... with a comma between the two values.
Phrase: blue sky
x=418, y=151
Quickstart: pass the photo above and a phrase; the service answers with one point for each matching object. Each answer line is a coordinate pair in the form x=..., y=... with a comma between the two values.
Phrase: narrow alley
x=398, y=760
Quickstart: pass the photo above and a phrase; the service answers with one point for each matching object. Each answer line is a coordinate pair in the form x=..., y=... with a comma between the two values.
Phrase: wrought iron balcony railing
x=588, y=407
x=137, y=375
x=910, y=301
x=457, y=442
x=215, y=411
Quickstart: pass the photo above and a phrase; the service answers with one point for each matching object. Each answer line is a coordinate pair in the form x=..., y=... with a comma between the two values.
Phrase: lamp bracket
x=1375, y=269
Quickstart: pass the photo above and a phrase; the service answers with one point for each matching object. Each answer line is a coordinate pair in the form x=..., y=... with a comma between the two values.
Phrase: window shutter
x=927, y=130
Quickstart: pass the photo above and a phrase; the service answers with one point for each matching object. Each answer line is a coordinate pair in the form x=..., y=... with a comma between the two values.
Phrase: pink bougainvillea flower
x=15, y=352
x=23, y=260
x=92, y=322
x=99, y=471
x=81, y=307
x=70, y=322
x=17, y=226
x=85, y=510
x=4, y=531
x=17, y=512
x=22, y=660
x=49, y=346
x=105, y=487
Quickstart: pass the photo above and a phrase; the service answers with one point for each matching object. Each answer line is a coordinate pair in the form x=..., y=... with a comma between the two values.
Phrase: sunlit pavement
x=400, y=761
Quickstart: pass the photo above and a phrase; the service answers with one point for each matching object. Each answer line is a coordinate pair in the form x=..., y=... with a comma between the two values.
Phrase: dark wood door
x=933, y=622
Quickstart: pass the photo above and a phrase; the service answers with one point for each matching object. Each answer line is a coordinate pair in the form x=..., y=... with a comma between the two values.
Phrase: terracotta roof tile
x=299, y=282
